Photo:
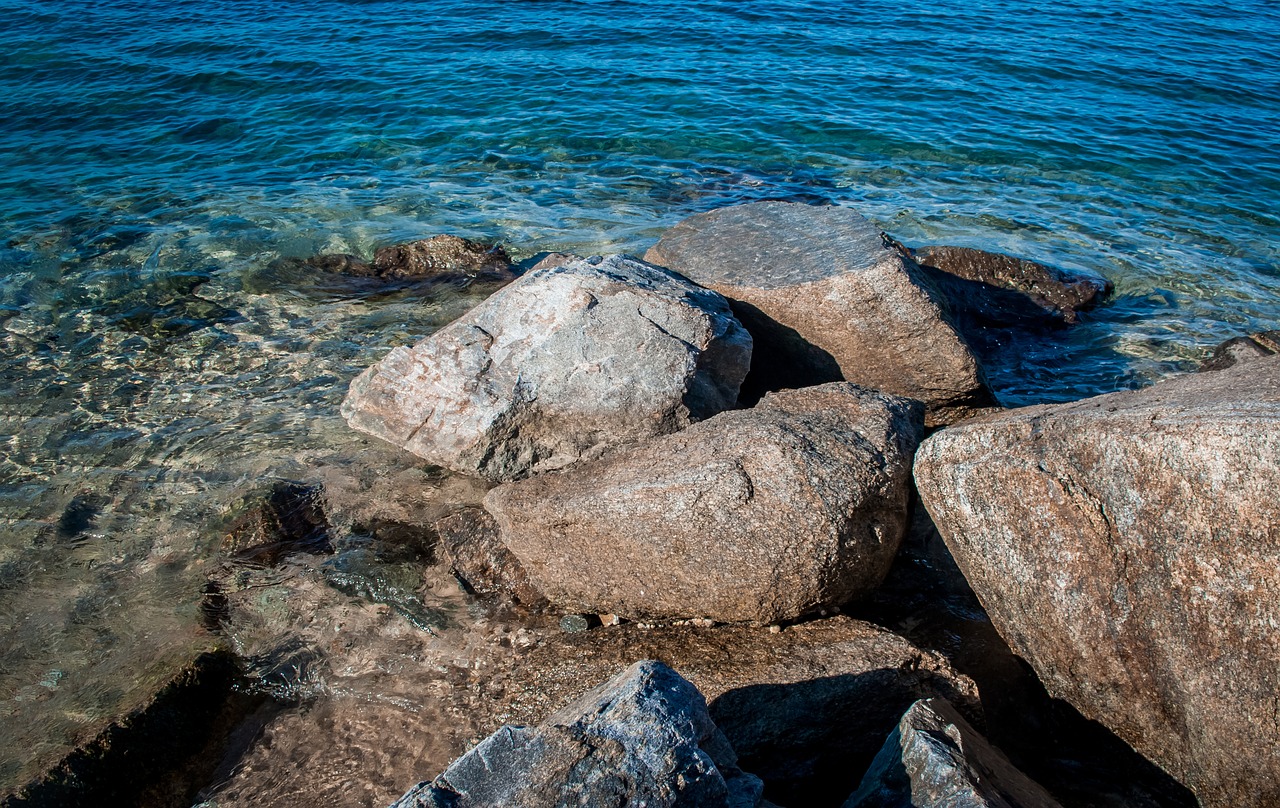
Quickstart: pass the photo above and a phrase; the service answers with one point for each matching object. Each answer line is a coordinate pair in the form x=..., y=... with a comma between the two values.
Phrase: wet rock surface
x=1125, y=545
x=935, y=759
x=642, y=738
x=563, y=364
x=760, y=515
x=285, y=517
x=432, y=257
x=827, y=298
x=806, y=708
x=1240, y=350
x=471, y=547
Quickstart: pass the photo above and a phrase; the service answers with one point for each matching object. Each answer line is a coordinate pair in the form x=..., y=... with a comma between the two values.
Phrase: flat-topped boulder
x=1128, y=546
x=827, y=297
x=642, y=738
x=566, y=363
x=936, y=759
x=759, y=515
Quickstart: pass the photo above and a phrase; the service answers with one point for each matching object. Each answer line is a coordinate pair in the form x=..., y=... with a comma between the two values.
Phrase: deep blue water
x=156, y=157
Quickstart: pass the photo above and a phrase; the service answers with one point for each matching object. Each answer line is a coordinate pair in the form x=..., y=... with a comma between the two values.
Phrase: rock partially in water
x=1126, y=546
x=471, y=547
x=439, y=255
x=827, y=298
x=1239, y=350
x=642, y=738
x=555, y=259
x=1002, y=290
x=935, y=759
x=759, y=515
x=806, y=708
x=564, y=364
x=288, y=517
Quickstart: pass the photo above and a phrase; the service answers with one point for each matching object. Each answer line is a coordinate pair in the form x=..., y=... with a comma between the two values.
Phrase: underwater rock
x=826, y=298
x=642, y=738
x=806, y=708
x=935, y=759
x=563, y=364
x=753, y=515
x=441, y=255
x=1239, y=350
x=1126, y=546
x=286, y=518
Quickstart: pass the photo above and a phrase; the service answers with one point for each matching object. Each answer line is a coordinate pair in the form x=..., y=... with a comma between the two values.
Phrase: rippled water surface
x=155, y=158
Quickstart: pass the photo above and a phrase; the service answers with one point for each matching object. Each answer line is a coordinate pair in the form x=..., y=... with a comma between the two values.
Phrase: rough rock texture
x=1010, y=291
x=754, y=515
x=935, y=759
x=1243, y=349
x=1128, y=546
x=806, y=708
x=437, y=256
x=286, y=517
x=563, y=364
x=470, y=545
x=827, y=298
x=642, y=738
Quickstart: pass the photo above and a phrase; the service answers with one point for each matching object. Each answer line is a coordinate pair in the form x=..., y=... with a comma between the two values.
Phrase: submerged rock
x=935, y=759
x=1003, y=290
x=806, y=708
x=754, y=515
x=288, y=517
x=642, y=738
x=565, y=363
x=441, y=255
x=827, y=298
x=1239, y=350
x=1127, y=547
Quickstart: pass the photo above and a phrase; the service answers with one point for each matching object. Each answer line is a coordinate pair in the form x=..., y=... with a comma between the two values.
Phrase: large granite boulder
x=935, y=759
x=642, y=738
x=1128, y=546
x=754, y=515
x=827, y=297
x=805, y=708
x=563, y=364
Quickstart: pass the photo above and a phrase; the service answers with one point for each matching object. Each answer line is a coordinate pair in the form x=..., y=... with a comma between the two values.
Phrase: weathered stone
x=1128, y=546
x=935, y=759
x=563, y=364
x=1003, y=290
x=806, y=708
x=441, y=255
x=1242, y=349
x=555, y=259
x=754, y=515
x=470, y=545
x=642, y=738
x=827, y=298
x=286, y=518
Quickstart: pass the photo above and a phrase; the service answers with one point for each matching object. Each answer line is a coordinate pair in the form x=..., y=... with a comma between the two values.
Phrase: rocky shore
x=798, y=553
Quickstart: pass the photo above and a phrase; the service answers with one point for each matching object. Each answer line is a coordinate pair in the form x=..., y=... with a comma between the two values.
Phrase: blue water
x=157, y=156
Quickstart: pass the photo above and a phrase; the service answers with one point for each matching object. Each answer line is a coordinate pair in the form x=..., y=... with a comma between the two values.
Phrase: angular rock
x=806, y=708
x=440, y=255
x=288, y=517
x=470, y=545
x=642, y=738
x=563, y=364
x=1242, y=349
x=826, y=297
x=935, y=759
x=754, y=515
x=1128, y=546
x=1003, y=290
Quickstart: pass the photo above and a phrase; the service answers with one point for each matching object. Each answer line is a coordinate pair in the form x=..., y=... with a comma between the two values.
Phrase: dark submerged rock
x=642, y=738
x=935, y=759
x=441, y=255
x=1239, y=350
x=286, y=518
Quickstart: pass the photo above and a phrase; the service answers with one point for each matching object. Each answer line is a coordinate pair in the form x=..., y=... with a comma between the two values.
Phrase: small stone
x=573, y=623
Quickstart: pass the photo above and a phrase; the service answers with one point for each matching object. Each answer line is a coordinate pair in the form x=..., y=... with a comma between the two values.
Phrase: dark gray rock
x=1243, y=349
x=642, y=738
x=935, y=759
x=759, y=515
x=564, y=364
x=440, y=255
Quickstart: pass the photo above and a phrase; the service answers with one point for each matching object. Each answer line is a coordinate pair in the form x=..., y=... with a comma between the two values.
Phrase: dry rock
x=827, y=297
x=1128, y=546
x=754, y=515
x=563, y=364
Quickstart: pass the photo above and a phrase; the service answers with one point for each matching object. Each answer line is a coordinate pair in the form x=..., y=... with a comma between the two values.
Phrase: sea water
x=156, y=158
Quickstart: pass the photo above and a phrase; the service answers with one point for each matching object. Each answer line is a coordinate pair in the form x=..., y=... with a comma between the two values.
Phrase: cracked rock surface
x=1128, y=547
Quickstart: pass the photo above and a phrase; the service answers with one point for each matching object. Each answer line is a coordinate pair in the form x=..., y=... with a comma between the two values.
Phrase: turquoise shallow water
x=155, y=157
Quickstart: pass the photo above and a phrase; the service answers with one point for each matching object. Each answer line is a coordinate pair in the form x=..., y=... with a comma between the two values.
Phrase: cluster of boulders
x=731, y=430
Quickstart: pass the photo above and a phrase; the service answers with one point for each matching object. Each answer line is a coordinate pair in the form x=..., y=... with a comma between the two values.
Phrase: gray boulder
x=827, y=297
x=1127, y=547
x=935, y=759
x=642, y=738
x=565, y=363
x=754, y=515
